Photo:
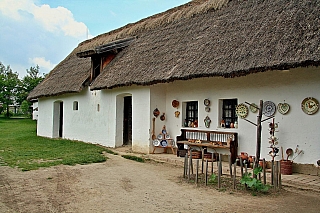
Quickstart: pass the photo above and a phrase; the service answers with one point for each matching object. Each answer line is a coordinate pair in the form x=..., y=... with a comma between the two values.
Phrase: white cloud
x=42, y=62
x=58, y=19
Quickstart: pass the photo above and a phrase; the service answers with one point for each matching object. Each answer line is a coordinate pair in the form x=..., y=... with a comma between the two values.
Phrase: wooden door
x=127, y=121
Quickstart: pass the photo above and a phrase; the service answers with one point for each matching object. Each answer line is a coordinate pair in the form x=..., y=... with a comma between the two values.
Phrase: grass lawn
x=21, y=147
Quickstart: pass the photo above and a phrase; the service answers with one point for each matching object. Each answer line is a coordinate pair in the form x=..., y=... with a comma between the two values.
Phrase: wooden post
x=230, y=165
x=206, y=174
x=185, y=166
x=259, y=129
x=189, y=166
x=220, y=163
x=279, y=173
x=264, y=171
x=197, y=172
x=275, y=176
x=219, y=173
x=241, y=166
x=212, y=163
x=234, y=174
x=272, y=171
x=245, y=172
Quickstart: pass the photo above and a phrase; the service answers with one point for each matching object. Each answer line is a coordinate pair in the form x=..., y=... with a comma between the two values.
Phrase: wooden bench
x=205, y=139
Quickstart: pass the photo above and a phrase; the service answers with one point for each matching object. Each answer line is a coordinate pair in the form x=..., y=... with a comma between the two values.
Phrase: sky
x=44, y=32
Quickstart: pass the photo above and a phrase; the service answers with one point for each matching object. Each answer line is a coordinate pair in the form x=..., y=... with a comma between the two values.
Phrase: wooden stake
x=197, y=173
x=230, y=165
x=206, y=174
x=241, y=167
x=272, y=171
x=264, y=171
x=189, y=166
x=234, y=174
x=185, y=166
x=212, y=163
x=279, y=173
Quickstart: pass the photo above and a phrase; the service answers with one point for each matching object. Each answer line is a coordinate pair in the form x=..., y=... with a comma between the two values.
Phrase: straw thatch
x=204, y=39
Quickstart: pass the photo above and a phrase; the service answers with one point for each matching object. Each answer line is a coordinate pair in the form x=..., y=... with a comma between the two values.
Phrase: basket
x=286, y=167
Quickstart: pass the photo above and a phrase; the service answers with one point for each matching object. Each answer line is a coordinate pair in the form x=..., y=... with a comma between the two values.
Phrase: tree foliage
x=15, y=91
x=9, y=84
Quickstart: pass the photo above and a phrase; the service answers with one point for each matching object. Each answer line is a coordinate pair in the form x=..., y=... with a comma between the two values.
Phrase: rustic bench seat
x=208, y=139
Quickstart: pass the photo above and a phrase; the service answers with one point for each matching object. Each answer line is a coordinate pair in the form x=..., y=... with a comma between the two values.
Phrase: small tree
x=25, y=107
x=28, y=83
x=9, y=82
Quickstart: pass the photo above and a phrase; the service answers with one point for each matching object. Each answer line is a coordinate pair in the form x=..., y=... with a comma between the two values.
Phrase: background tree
x=29, y=82
x=9, y=83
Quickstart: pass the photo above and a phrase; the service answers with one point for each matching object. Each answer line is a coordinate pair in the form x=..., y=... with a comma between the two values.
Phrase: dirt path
x=121, y=185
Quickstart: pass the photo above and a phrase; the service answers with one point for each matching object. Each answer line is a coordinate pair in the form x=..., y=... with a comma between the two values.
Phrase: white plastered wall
x=295, y=128
x=98, y=115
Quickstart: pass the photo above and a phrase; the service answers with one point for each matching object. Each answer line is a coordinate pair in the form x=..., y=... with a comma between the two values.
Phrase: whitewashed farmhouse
x=228, y=52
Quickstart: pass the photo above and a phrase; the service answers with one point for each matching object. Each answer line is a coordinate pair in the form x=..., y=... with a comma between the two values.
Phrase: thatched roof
x=206, y=38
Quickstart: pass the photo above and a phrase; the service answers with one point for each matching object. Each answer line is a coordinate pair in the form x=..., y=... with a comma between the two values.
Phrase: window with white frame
x=191, y=113
x=228, y=111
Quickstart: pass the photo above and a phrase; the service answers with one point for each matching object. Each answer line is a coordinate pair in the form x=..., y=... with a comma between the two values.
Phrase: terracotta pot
x=286, y=167
x=244, y=155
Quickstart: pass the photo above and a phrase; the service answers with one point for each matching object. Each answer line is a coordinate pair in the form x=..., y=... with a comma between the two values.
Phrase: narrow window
x=191, y=113
x=98, y=107
x=75, y=105
x=229, y=111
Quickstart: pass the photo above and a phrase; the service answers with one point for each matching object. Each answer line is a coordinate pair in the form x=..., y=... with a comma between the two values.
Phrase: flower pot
x=286, y=167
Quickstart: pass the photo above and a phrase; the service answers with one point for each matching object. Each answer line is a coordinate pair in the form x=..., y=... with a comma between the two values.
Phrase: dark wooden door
x=60, y=119
x=127, y=121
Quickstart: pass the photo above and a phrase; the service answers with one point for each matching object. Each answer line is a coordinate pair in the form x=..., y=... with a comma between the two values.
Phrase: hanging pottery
x=207, y=121
x=163, y=117
x=176, y=114
x=156, y=112
x=206, y=102
x=269, y=108
x=310, y=105
x=175, y=103
x=207, y=109
x=283, y=108
x=242, y=110
x=253, y=107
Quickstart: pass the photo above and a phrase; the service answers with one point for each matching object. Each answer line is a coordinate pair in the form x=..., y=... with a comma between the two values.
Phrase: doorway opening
x=58, y=119
x=127, y=120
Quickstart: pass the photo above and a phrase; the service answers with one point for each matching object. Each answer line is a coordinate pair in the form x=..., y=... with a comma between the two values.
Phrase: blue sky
x=44, y=32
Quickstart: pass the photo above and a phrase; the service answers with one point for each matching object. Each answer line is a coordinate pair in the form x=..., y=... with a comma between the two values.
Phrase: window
x=75, y=105
x=191, y=112
x=96, y=64
x=229, y=111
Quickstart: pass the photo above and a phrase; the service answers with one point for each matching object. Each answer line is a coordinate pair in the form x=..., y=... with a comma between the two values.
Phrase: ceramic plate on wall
x=283, y=108
x=242, y=110
x=269, y=108
x=253, y=107
x=156, y=142
x=164, y=143
x=310, y=105
x=206, y=102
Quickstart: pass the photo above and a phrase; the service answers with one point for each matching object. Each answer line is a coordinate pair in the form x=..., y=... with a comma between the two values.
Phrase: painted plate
x=242, y=110
x=156, y=142
x=167, y=136
x=269, y=108
x=310, y=105
x=283, y=108
x=207, y=109
x=254, y=107
x=206, y=102
x=160, y=137
x=175, y=103
x=164, y=143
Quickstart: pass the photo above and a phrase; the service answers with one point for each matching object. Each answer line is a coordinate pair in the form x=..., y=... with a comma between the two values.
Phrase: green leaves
x=253, y=183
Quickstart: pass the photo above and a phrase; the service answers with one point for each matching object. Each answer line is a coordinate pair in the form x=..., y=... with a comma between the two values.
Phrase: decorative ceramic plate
x=156, y=112
x=167, y=136
x=254, y=107
x=283, y=108
x=175, y=103
x=164, y=143
x=173, y=143
x=206, y=102
x=156, y=142
x=310, y=105
x=160, y=137
x=207, y=109
x=242, y=110
x=269, y=108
